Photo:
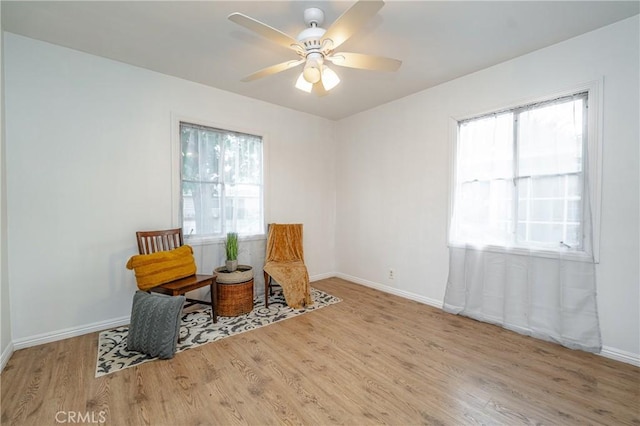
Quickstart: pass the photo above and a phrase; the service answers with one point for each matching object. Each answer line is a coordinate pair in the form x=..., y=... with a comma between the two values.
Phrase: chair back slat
x=154, y=241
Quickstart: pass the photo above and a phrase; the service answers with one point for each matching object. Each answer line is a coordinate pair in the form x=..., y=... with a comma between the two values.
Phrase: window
x=520, y=177
x=221, y=182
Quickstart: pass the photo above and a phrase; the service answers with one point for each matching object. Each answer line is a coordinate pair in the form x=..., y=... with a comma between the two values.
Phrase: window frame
x=592, y=170
x=176, y=177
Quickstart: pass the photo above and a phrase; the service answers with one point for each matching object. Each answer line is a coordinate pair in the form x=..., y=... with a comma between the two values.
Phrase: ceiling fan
x=316, y=45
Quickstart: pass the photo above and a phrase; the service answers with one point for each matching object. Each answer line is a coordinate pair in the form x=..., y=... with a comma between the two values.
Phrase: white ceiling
x=436, y=40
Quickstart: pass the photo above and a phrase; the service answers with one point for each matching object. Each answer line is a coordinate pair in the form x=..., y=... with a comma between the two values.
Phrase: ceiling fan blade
x=351, y=21
x=272, y=70
x=319, y=90
x=266, y=31
x=365, y=62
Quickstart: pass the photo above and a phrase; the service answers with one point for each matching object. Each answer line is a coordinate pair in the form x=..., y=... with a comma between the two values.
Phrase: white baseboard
x=392, y=290
x=6, y=354
x=66, y=333
x=620, y=355
x=322, y=276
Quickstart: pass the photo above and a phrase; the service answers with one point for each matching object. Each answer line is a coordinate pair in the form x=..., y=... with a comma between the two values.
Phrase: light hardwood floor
x=373, y=358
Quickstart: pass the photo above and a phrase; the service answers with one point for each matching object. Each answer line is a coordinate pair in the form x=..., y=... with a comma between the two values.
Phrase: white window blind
x=221, y=182
x=520, y=177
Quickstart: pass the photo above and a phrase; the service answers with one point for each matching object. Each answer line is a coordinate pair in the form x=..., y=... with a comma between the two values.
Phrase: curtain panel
x=550, y=299
x=529, y=268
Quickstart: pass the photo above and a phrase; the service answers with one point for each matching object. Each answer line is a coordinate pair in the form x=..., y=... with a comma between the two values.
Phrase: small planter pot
x=231, y=265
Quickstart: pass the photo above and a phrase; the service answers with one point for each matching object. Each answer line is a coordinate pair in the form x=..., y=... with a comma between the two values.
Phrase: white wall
x=394, y=170
x=6, y=345
x=89, y=163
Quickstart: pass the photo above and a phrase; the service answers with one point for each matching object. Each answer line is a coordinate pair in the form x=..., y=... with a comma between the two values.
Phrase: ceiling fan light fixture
x=312, y=68
x=303, y=84
x=329, y=78
x=311, y=73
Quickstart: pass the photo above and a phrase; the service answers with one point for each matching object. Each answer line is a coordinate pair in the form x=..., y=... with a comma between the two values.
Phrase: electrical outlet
x=391, y=274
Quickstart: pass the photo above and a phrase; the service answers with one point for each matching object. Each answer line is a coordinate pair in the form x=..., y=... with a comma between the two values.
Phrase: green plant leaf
x=231, y=246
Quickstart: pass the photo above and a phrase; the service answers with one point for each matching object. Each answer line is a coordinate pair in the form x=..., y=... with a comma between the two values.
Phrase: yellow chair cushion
x=162, y=267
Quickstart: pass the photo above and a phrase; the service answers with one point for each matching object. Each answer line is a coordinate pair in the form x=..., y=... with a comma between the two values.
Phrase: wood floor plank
x=374, y=358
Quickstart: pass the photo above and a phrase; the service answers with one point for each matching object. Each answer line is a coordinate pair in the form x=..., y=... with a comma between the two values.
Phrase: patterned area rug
x=197, y=329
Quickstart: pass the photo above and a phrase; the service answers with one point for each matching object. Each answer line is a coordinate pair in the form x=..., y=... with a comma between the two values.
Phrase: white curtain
x=551, y=299
x=531, y=272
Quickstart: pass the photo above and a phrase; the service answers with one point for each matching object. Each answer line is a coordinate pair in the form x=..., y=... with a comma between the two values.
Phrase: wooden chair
x=154, y=241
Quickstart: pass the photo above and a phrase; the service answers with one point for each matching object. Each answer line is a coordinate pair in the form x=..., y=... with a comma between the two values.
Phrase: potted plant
x=231, y=247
